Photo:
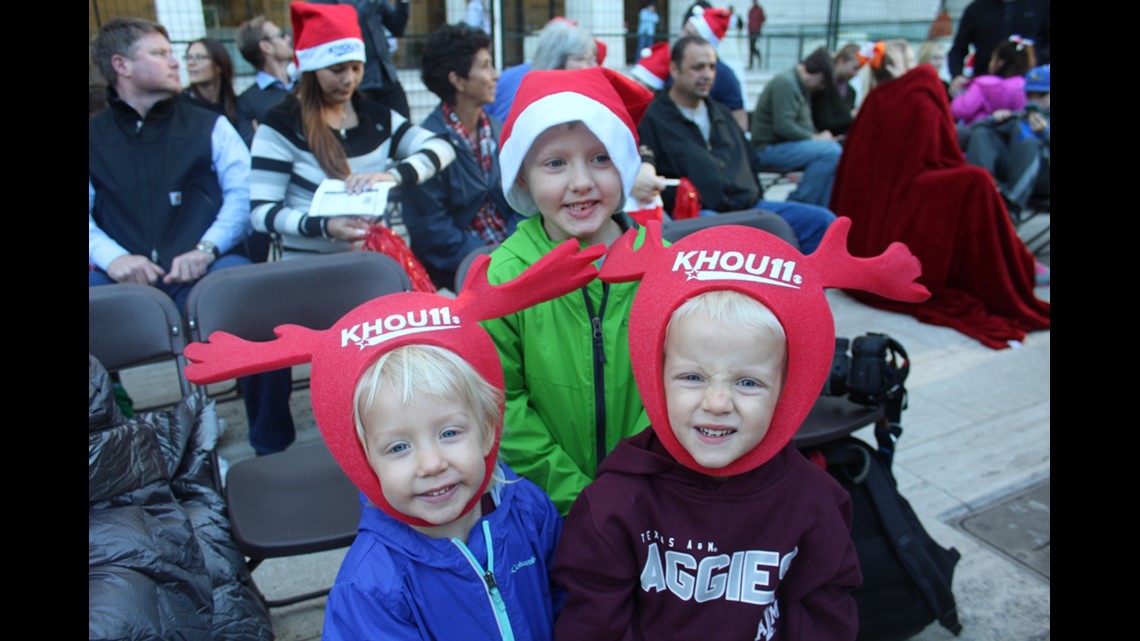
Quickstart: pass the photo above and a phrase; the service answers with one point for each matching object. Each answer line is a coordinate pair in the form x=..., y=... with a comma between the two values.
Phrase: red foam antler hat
x=340, y=354
x=764, y=267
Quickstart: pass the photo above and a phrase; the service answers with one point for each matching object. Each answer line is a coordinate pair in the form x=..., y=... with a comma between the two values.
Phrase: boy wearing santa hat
x=569, y=156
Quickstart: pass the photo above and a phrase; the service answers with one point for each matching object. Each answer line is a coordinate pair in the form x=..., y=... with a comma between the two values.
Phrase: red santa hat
x=653, y=66
x=341, y=354
x=608, y=103
x=766, y=268
x=325, y=35
x=600, y=49
x=711, y=24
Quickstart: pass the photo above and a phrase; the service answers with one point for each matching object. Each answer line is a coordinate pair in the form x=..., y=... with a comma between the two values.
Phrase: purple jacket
x=987, y=94
x=653, y=550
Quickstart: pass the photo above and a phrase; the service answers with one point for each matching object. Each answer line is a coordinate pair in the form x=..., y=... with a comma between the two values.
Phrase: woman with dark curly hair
x=463, y=207
x=211, y=72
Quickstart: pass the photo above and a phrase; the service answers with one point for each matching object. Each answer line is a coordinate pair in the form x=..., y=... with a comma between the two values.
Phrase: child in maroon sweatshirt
x=711, y=524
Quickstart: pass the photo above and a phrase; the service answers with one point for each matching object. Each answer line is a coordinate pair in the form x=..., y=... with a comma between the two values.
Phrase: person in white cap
x=327, y=130
x=568, y=156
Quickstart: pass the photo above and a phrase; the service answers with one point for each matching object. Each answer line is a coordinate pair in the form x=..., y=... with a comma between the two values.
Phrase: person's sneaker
x=1042, y=273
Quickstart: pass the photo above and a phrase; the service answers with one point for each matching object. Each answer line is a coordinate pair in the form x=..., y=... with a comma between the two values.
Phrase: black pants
x=753, y=52
x=1020, y=167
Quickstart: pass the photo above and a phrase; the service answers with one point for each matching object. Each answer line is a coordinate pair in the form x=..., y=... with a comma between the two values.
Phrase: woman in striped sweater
x=325, y=131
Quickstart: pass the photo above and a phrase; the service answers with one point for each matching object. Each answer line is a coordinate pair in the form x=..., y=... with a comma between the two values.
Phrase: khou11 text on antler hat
x=768, y=269
x=341, y=354
x=608, y=103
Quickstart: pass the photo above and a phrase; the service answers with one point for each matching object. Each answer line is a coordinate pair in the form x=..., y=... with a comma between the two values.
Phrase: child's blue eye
x=556, y=163
x=449, y=433
x=397, y=448
x=602, y=158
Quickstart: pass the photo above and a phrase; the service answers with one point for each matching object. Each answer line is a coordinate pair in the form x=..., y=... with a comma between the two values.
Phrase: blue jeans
x=808, y=222
x=818, y=160
x=266, y=395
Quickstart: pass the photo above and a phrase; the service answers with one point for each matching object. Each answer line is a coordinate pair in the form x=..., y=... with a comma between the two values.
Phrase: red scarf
x=488, y=223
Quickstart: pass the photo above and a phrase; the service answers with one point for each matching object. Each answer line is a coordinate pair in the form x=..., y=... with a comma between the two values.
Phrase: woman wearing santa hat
x=325, y=131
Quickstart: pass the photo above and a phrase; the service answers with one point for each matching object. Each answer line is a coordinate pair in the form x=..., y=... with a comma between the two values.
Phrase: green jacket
x=550, y=433
x=783, y=112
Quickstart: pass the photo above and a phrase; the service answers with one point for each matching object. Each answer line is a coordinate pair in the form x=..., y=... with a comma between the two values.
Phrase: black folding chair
x=297, y=501
x=770, y=222
x=130, y=325
x=465, y=264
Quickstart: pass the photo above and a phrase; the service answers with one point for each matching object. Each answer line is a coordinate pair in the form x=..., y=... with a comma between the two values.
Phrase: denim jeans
x=816, y=158
x=808, y=222
x=266, y=395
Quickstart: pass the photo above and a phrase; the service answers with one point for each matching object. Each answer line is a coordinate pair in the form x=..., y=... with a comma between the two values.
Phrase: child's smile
x=569, y=174
x=429, y=456
x=722, y=384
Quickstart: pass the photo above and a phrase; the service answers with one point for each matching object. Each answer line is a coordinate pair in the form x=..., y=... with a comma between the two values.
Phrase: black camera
x=873, y=371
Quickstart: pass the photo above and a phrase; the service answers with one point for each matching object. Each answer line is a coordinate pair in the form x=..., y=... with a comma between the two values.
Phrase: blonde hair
x=731, y=308
x=927, y=50
x=898, y=59
x=425, y=370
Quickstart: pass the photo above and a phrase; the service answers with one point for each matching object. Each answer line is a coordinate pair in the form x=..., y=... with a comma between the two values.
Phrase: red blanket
x=902, y=177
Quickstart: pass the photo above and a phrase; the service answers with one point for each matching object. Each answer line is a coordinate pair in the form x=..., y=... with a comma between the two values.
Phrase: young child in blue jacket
x=407, y=390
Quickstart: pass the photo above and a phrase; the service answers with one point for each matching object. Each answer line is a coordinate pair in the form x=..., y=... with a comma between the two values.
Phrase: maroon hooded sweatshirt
x=655, y=550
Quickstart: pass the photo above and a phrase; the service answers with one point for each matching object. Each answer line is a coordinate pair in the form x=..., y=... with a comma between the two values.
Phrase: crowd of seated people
x=889, y=157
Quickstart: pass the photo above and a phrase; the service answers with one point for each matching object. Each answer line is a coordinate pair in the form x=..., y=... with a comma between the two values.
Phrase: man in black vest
x=168, y=193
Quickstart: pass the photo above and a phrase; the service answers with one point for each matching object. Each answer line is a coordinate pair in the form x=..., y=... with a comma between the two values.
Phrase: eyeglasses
x=198, y=57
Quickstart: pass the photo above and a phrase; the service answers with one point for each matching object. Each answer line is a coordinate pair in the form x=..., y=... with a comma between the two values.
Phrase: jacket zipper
x=599, y=372
x=494, y=596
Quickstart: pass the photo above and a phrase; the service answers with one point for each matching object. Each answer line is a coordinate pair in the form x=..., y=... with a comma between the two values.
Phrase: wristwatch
x=208, y=247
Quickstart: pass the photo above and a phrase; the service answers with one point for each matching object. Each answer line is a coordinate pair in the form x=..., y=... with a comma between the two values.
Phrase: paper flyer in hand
x=332, y=200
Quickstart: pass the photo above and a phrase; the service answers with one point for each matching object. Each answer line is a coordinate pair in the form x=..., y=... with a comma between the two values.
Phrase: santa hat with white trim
x=325, y=35
x=711, y=24
x=653, y=66
x=608, y=103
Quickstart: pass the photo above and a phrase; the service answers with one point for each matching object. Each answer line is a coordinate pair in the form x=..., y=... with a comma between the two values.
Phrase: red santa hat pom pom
x=608, y=103
x=653, y=67
x=711, y=23
x=325, y=35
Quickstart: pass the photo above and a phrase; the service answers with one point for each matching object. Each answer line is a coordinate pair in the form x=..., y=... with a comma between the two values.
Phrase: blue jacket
x=396, y=583
x=439, y=211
